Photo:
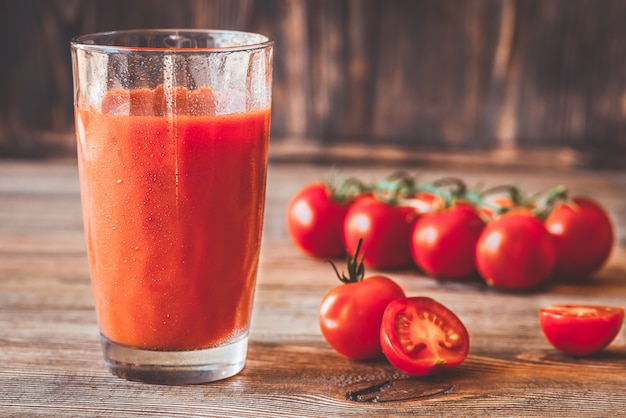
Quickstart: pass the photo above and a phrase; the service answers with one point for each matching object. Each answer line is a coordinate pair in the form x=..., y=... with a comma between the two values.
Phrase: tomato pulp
x=422, y=337
x=173, y=210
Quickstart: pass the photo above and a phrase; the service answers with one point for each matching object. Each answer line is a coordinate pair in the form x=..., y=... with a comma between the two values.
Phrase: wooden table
x=52, y=365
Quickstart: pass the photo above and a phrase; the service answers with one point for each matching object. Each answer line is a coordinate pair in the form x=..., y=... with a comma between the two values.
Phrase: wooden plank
x=430, y=75
x=52, y=364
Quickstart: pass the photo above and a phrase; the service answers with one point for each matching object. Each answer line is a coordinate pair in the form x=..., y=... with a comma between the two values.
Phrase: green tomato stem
x=356, y=270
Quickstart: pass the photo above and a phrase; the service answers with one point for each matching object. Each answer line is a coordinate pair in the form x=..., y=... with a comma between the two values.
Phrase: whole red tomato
x=443, y=243
x=315, y=217
x=420, y=336
x=583, y=236
x=515, y=252
x=350, y=315
x=385, y=229
x=580, y=330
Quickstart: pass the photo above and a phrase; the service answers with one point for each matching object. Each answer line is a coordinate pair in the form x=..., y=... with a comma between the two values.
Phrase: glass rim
x=87, y=41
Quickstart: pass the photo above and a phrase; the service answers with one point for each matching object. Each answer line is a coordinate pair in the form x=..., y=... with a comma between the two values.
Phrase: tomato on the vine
x=350, y=314
x=315, y=217
x=420, y=336
x=503, y=198
x=423, y=202
x=443, y=243
x=515, y=252
x=583, y=236
x=580, y=330
x=385, y=229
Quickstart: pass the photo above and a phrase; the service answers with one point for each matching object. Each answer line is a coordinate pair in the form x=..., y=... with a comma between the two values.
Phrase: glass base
x=175, y=367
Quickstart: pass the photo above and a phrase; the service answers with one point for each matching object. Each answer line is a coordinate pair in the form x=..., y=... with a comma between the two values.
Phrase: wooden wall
x=424, y=76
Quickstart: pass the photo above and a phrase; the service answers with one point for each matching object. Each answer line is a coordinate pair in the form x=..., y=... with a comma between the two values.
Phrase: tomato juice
x=173, y=211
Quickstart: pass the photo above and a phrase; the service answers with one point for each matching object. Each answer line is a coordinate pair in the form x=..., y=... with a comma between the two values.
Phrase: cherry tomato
x=443, y=243
x=350, y=315
x=583, y=236
x=420, y=336
x=580, y=330
x=315, y=217
x=385, y=229
x=515, y=252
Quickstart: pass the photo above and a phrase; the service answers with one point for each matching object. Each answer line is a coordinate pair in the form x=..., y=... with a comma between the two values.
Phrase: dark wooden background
x=519, y=81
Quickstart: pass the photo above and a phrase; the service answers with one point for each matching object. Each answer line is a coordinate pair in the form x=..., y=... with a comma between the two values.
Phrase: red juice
x=173, y=209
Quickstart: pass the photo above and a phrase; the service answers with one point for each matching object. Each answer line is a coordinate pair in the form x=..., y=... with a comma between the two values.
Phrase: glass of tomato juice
x=172, y=131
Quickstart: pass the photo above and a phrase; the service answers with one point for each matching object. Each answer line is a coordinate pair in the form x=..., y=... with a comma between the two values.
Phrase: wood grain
x=437, y=76
x=52, y=364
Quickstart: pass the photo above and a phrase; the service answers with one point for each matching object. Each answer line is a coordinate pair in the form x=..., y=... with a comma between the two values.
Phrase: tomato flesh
x=421, y=337
x=580, y=330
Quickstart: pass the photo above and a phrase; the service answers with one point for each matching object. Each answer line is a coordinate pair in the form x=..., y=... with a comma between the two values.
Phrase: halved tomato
x=581, y=330
x=421, y=337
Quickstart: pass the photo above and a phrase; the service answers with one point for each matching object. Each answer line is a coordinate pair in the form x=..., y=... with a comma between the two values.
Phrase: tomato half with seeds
x=581, y=330
x=421, y=337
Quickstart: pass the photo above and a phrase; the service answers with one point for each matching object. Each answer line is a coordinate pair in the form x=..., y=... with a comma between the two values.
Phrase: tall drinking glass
x=172, y=132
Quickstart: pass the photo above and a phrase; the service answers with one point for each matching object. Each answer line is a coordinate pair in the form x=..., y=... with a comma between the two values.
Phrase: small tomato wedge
x=350, y=314
x=421, y=337
x=581, y=330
